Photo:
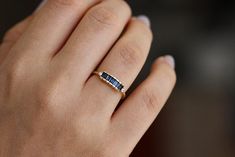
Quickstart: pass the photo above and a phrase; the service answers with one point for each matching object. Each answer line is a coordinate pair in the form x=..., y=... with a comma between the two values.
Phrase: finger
x=92, y=39
x=137, y=113
x=51, y=26
x=124, y=61
x=12, y=36
x=16, y=31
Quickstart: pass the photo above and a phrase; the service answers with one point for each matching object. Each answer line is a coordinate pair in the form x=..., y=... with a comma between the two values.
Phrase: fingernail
x=40, y=5
x=145, y=20
x=170, y=60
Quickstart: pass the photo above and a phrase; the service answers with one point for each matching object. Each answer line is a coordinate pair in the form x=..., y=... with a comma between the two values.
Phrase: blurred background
x=199, y=118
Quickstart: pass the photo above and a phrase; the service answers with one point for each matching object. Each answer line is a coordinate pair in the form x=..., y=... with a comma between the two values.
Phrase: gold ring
x=111, y=81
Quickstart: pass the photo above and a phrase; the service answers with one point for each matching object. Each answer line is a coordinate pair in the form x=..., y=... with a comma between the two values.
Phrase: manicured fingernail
x=145, y=20
x=40, y=5
x=170, y=60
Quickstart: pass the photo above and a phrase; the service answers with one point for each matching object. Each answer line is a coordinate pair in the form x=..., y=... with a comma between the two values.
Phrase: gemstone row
x=112, y=81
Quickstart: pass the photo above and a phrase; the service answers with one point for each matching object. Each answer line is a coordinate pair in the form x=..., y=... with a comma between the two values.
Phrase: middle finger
x=92, y=39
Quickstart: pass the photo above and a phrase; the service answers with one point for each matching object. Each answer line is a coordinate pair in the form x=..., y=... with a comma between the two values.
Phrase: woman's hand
x=52, y=105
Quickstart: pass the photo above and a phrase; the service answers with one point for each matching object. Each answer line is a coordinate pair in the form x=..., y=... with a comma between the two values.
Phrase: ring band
x=112, y=81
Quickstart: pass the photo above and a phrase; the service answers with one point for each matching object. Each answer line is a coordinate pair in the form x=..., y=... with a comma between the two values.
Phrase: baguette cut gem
x=104, y=75
x=120, y=87
x=113, y=81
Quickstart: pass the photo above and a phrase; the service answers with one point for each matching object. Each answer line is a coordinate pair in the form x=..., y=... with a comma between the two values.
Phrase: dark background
x=199, y=119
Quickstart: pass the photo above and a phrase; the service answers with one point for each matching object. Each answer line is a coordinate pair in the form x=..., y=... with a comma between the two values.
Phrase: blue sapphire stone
x=116, y=83
x=112, y=80
x=105, y=75
x=120, y=86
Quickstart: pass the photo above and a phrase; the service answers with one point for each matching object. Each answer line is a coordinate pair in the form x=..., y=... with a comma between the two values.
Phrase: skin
x=52, y=105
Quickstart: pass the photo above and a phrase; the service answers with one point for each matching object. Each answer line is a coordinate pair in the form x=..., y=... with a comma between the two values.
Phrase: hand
x=52, y=105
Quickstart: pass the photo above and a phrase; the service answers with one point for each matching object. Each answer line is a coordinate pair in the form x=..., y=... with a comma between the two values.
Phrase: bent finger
x=138, y=112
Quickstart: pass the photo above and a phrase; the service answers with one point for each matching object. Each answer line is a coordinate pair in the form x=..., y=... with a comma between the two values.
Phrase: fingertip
x=170, y=60
x=167, y=59
x=165, y=66
x=145, y=20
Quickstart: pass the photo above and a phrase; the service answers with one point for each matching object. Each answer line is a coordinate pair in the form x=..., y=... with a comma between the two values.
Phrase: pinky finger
x=138, y=112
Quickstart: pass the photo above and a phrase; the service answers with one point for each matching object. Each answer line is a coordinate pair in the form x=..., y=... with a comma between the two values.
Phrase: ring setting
x=112, y=81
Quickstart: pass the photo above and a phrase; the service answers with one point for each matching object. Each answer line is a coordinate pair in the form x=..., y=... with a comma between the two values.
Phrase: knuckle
x=14, y=75
x=103, y=16
x=16, y=70
x=46, y=97
x=48, y=92
x=126, y=7
x=130, y=54
x=151, y=100
x=11, y=35
x=65, y=3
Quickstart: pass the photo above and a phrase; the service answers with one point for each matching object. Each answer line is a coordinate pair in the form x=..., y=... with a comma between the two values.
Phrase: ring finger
x=124, y=61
